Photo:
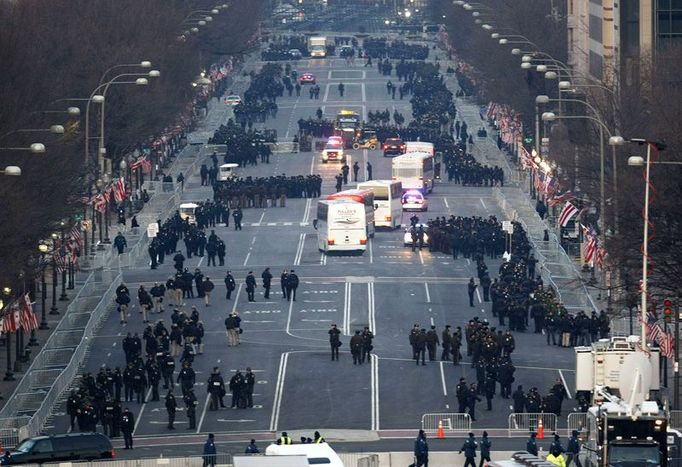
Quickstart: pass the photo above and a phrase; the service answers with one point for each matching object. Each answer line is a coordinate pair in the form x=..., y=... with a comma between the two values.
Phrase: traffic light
x=667, y=309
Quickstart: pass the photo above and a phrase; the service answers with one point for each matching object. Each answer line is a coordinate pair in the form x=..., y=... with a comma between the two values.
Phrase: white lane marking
x=428, y=295
x=236, y=298
x=326, y=92
x=374, y=365
x=200, y=261
x=291, y=308
x=261, y=218
x=323, y=258
x=362, y=88
x=299, y=249
x=203, y=413
x=442, y=379
x=253, y=240
x=279, y=388
x=484, y=206
x=563, y=380
x=139, y=416
x=345, y=328
x=421, y=258
x=371, y=319
x=365, y=155
x=433, y=323
x=306, y=212
x=312, y=163
x=447, y=206
x=246, y=260
x=371, y=252
x=478, y=295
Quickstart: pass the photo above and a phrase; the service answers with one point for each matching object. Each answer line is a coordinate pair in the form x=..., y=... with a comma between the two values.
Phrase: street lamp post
x=54, y=310
x=62, y=253
x=43, y=249
x=9, y=375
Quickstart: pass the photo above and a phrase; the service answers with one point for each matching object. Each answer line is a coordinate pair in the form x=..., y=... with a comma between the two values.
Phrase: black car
x=67, y=447
x=393, y=146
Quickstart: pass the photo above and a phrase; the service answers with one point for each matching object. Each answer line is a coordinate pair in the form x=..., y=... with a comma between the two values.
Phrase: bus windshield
x=631, y=455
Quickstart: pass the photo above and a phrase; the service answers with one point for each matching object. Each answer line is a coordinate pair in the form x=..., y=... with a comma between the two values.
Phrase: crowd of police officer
x=263, y=192
x=382, y=48
x=260, y=98
x=466, y=236
x=244, y=147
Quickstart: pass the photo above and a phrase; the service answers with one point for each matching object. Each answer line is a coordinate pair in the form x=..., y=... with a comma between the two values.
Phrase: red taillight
x=113, y=453
x=388, y=218
x=330, y=242
x=363, y=241
x=402, y=146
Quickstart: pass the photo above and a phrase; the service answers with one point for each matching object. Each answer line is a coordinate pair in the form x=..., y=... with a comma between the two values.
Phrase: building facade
x=608, y=38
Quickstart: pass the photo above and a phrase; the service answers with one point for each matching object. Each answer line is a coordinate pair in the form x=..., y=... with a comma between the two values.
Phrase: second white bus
x=387, y=193
x=414, y=170
x=341, y=225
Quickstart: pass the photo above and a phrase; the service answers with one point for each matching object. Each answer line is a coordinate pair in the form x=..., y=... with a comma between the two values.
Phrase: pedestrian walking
x=291, y=285
x=421, y=450
x=469, y=448
x=356, y=169
x=127, y=427
x=369, y=171
x=252, y=448
x=209, y=454
x=334, y=342
x=485, y=449
x=356, y=348
x=267, y=280
x=251, y=286
x=230, y=285
x=573, y=450
x=237, y=215
x=171, y=407
x=532, y=444
x=471, y=289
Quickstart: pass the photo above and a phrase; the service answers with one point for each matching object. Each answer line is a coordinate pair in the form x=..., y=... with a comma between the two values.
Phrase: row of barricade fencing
x=556, y=268
x=349, y=459
x=451, y=422
x=56, y=367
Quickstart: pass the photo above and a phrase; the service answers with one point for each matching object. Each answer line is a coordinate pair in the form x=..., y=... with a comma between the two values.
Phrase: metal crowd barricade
x=10, y=437
x=577, y=421
x=524, y=423
x=452, y=422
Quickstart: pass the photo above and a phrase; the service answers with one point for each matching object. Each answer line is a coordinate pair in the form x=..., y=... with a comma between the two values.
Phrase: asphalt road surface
x=388, y=288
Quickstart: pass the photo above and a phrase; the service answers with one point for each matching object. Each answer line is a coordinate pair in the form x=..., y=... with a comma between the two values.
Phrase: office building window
x=596, y=28
x=596, y=65
x=668, y=23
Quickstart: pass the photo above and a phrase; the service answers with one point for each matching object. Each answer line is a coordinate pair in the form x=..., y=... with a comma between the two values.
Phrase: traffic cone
x=441, y=433
x=541, y=430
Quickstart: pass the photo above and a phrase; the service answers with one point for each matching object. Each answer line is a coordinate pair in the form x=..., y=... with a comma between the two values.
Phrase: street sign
x=152, y=229
x=508, y=227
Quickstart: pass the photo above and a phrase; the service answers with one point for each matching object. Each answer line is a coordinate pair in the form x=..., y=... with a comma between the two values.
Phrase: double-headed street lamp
x=43, y=248
x=11, y=171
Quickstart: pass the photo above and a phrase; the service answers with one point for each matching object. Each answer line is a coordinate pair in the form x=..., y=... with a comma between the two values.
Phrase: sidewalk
x=39, y=384
x=555, y=266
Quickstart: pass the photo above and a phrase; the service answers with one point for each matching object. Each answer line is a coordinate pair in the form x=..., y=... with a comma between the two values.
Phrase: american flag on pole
x=101, y=201
x=601, y=256
x=551, y=185
x=666, y=344
x=119, y=190
x=75, y=236
x=568, y=211
x=653, y=330
x=137, y=164
x=590, y=240
x=28, y=319
x=8, y=323
x=146, y=166
x=558, y=199
x=540, y=181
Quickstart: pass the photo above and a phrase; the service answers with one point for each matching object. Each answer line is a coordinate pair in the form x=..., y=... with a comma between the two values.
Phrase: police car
x=407, y=236
x=307, y=78
x=414, y=200
x=233, y=100
x=333, y=150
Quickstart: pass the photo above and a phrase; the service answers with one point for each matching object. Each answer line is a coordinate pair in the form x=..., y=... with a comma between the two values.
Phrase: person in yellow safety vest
x=284, y=439
x=318, y=438
x=556, y=458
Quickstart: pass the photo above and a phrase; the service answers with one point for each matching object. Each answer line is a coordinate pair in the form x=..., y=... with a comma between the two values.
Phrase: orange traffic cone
x=441, y=433
x=541, y=430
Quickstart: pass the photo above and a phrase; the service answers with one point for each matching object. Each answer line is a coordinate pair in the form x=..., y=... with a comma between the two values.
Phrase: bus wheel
x=372, y=146
x=356, y=146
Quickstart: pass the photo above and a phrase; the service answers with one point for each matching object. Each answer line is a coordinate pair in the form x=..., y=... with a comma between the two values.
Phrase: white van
x=317, y=454
x=187, y=211
x=227, y=172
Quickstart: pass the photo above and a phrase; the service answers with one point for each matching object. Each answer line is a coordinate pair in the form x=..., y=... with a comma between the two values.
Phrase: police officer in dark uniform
x=432, y=342
x=267, y=281
x=334, y=342
x=356, y=348
x=367, y=337
x=171, y=406
x=420, y=345
x=292, y=285
x=230, y=285
x=186, y=378
x=127, y=426
x=446, y=342
x=191, y=407
x=216, y=387
x=154, y=376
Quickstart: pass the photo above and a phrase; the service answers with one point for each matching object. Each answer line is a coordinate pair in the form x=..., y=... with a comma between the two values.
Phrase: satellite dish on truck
x=635, y=378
